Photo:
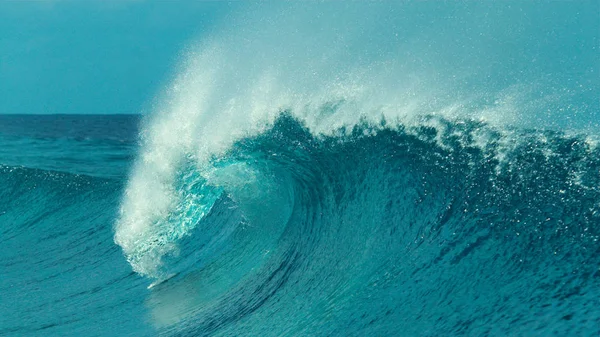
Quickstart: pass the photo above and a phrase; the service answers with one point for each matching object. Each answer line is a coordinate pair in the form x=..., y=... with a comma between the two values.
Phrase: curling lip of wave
x=199, y=188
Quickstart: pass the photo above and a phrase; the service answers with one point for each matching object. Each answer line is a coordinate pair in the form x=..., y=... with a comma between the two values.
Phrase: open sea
x=379, y=169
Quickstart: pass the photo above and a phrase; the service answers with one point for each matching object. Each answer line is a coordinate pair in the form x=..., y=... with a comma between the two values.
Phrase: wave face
x=457, y=228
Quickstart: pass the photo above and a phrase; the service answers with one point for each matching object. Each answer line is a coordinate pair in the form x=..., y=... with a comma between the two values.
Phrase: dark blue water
x=378, y=230
x=81, y=144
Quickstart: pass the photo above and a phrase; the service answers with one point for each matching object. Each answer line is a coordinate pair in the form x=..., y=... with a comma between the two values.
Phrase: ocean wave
x=323, y=169
x=370, y=210
x=353, y=175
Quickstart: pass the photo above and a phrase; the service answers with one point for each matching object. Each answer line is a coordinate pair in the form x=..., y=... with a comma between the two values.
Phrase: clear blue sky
x=116, y=56
x=94, y=57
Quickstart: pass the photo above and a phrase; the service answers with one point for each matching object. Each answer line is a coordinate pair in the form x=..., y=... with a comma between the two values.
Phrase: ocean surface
x=307, y=177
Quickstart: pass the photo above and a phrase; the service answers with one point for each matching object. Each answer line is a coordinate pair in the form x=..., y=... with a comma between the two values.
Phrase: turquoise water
x=416, y=169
